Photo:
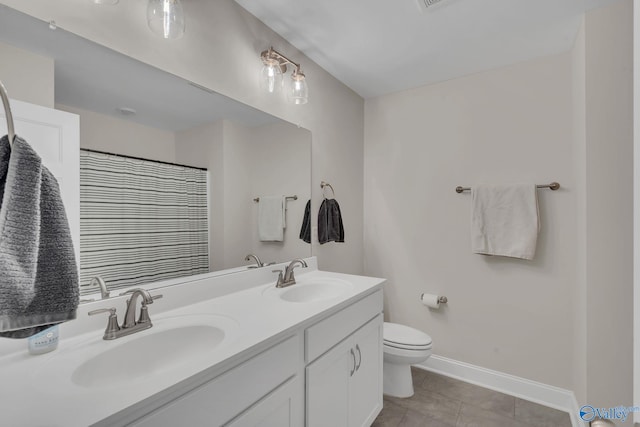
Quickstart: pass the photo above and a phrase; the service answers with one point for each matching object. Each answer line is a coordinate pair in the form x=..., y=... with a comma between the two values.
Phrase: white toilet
x=403, y=347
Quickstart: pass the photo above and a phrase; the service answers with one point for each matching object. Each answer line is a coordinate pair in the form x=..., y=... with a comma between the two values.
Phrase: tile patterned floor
x=441, y=401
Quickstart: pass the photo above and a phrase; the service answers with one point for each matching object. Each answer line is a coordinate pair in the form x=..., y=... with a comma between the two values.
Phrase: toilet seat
x=405, y=338
x=407, y=347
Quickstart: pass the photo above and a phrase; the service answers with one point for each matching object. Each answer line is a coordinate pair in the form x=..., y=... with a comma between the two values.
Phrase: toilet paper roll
x=430, y=300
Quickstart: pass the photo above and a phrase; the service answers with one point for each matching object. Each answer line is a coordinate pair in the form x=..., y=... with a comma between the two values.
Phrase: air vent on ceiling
x=425, y=4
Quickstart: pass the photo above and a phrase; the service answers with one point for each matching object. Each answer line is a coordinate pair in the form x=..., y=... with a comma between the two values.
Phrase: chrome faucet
x=104, y=292
x=288, y=278
x=257, y=261
x=129, y=325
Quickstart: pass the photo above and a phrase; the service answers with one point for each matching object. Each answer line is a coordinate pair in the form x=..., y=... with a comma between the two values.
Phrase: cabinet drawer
x=226, y=396
x=325, y=334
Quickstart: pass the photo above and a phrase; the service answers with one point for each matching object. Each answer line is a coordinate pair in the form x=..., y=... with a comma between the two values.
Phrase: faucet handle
x=111, y=310
x=144, y=311
x=112, y=323
x=280, y=276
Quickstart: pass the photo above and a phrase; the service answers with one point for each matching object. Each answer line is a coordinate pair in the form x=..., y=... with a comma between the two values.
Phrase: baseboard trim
x=544, y=394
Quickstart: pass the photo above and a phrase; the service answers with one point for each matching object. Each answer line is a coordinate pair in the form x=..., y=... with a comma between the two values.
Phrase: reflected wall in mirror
x=130, y=109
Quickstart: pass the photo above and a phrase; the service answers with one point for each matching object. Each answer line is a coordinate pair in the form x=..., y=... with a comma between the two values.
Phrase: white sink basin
x=311, y=290
x=149, y=354
x=174, y=344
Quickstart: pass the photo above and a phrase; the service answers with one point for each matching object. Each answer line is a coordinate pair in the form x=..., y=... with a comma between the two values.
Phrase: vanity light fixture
x=166, y=18
x=275, y=65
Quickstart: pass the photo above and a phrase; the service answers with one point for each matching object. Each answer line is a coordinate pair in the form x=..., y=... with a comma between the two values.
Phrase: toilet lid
x=404, y=337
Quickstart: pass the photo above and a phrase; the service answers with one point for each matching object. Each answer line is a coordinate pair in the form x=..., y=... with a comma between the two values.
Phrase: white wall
x=220, y=50
x=565, y=318
x=513, y=124
x=280, y=157
x=636, y=205
x=245, y=163
x=238, y=197
x=27, y=76
x=203, y=147
x=120, y=136
x=609, y=155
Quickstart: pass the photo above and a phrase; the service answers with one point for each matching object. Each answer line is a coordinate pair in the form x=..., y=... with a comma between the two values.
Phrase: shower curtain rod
x=7, y=110
x=553, y=186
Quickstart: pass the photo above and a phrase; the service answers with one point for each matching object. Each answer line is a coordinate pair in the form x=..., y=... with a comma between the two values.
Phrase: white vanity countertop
x=38, y=390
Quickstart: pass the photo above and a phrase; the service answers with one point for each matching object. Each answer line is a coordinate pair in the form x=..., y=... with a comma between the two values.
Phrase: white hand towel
x=271, y=218
x=505, y=220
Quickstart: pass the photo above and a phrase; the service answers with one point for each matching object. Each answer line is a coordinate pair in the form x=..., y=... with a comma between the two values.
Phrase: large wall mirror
x=176, y=180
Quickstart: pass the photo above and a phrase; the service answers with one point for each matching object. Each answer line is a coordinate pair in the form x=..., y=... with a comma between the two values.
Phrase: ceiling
x=92, y=77
x=378, y=47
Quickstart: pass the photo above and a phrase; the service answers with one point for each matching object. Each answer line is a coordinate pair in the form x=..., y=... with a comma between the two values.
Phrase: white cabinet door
x=55, y=136
x=328, y=387
x=281, y=408
x=366, y=382
x=344, y=386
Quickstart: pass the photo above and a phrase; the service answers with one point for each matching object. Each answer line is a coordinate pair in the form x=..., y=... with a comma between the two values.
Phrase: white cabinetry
x=344, y=375
x=344, y=386
x=338, y=378
x=256, y=382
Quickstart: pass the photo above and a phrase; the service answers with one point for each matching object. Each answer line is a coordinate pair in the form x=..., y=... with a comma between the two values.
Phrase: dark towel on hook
x=38, y=273
x=330, y=227
x=305, y=230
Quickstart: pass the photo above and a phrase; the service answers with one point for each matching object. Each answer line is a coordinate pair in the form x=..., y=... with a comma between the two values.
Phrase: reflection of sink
x=148, y=354
x=175, y=347
x=312, y=290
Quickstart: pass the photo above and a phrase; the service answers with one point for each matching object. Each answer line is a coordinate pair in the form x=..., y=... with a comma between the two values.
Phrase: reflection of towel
x=504, y=220
x=271, y=218
x=330, y=227
x=305, y=230
x=39, y=277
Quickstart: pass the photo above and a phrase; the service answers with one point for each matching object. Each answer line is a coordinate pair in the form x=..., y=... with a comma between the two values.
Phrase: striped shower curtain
x=141, y=221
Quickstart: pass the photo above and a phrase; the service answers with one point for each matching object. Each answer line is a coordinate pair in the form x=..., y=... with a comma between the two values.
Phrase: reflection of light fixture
x=105, y=1
x=275, y=64
x=166, y=18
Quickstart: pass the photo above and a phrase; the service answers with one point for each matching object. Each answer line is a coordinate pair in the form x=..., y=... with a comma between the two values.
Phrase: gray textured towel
x=38, y=273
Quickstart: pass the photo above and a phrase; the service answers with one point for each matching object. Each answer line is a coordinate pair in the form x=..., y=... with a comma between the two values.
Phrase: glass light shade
x=166, y=18
x=271, y=77
x=299, y=92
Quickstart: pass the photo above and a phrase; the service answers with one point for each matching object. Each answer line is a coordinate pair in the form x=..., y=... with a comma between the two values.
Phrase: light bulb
x=299, y=93
x=271, y=76
x=166, y=18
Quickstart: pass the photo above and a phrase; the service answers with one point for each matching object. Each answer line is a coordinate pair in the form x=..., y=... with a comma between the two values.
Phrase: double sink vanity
x=224, y=350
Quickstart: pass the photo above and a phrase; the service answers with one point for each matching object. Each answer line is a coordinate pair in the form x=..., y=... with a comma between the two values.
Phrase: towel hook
x=7, y=110
x=324, y=184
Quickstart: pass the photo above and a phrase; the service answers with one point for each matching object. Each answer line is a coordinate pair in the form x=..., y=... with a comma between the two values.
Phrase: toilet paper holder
x=441, y=300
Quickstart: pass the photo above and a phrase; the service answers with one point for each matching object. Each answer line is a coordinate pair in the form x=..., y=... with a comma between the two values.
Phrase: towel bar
x=257, y=199
x=553, y=186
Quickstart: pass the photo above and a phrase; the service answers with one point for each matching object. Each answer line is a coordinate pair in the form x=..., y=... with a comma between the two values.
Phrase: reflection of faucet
x=288, y=279
x=257, y=260
x=129, y=325
x=103, y=286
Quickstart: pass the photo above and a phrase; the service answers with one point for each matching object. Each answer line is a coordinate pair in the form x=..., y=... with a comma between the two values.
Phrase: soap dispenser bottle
x=44, y=341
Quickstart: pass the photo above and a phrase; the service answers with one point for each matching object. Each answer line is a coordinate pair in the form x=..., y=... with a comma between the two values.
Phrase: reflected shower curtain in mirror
x=141, y=221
